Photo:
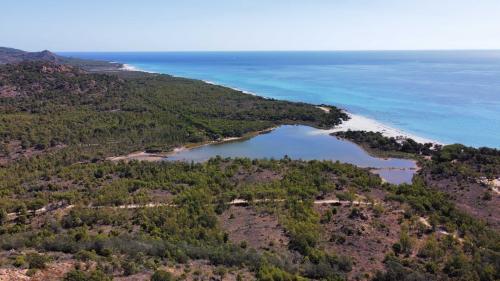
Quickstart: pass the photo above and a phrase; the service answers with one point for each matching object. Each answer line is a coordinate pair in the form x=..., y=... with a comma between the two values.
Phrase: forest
x=67, y=213
x=47, y=105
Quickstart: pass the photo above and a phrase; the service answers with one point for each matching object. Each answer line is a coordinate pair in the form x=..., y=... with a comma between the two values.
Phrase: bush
x=84, y=255
x=75, y=275
x=406, y=242
x=129, y=268
x=78, y=275
x=20, y=261
x=275, y=274
x=161, y=275
x=36, y=261
x=3, y=216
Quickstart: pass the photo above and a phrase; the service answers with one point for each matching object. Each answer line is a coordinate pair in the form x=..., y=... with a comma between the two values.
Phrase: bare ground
x=365, y=237
x=259, y=230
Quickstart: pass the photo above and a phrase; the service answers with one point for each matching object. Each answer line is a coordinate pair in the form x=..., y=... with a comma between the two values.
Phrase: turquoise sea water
x=448, y=96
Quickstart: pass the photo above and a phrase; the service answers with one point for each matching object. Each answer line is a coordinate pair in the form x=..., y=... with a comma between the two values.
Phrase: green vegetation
x=466, y=162
x=78, y=275
x=376, y=142
x=189, y=229
x=447, y=161
x=61, y=200
x=161, y=275
x=54, y=105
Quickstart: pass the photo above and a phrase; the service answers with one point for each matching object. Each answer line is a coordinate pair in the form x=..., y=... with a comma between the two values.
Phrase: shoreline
x=361, y=123
x=220, y=141
x=128, y=67
x=355, y=123
x=233, y=88
x=155, y=157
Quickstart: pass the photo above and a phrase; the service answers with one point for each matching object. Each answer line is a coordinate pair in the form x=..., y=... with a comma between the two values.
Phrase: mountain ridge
x=14, y=56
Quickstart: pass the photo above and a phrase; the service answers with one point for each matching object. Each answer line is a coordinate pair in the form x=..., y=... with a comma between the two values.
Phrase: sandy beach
x=128, y=67
x=361, y=123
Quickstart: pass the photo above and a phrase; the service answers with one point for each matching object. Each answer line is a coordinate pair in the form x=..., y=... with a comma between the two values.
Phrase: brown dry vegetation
x=470, y=197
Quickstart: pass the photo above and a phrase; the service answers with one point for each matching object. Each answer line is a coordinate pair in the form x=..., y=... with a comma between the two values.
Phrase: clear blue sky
x=154, y=25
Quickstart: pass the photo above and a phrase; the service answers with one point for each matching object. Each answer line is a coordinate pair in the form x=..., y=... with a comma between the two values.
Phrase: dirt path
x=235, y=202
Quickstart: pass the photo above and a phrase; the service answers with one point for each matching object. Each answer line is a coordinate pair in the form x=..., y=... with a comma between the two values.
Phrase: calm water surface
x=306, y=143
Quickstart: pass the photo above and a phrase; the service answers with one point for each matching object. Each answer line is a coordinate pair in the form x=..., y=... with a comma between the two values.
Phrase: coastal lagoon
x=447, y=96
x=305, y=143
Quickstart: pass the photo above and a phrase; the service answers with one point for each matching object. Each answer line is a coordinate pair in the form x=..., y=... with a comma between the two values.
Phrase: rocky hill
x=12, y=56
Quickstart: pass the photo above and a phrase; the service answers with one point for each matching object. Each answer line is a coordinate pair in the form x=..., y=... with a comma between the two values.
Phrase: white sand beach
x=361, y=123
x=128, y=67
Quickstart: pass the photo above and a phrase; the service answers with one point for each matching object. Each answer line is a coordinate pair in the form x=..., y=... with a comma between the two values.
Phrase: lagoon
x=305, y=143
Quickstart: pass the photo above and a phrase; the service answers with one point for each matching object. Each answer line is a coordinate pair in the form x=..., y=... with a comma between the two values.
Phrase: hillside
x=12, y=56
x=68, y=213
x=46, y=106
x=470, y=176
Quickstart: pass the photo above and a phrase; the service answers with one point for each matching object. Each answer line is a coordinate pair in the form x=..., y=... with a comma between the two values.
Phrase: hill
x=47, y=105
x=11, y=56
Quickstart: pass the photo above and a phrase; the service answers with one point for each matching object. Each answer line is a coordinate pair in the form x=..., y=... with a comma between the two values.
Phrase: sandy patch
x=324, y=108
x=140, y=156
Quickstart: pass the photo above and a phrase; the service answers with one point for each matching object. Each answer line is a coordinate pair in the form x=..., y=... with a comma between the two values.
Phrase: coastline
x=128, y=67
x=361, y=123
x=355, y=122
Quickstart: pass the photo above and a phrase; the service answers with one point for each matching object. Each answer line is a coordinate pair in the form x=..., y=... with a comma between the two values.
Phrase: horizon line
x=271, y=50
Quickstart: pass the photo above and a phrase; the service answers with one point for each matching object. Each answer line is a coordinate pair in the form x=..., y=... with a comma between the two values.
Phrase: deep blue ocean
x=448, y=96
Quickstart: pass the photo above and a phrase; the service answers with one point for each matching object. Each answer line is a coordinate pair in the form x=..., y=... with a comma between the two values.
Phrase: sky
x=236, y=25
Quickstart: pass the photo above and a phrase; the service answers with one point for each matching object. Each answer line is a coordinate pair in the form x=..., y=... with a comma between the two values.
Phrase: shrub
x=85, y=255
x=20, y=261
x=129, y=268
x=78, y=275
x=275, y=274
x=161, y=275
x=3, y=216
x=36, y=261
x=406, y=243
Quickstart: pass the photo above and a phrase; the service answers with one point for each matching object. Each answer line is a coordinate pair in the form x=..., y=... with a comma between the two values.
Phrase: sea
x=446, y=96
